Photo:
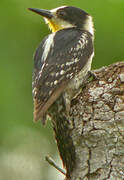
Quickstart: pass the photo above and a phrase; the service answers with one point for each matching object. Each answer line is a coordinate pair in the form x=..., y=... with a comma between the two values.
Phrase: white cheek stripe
x=89, y=25
x=47, y=45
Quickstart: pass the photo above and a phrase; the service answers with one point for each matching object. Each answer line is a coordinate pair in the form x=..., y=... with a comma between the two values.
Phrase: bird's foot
x=92, y=74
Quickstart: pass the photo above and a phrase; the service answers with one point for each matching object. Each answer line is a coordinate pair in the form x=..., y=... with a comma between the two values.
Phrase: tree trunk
x=91, y=138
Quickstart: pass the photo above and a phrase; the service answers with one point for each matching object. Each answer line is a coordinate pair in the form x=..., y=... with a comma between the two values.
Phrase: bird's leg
x=92, y=74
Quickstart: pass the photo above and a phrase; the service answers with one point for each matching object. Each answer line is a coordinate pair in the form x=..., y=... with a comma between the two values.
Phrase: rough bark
x=91, y=138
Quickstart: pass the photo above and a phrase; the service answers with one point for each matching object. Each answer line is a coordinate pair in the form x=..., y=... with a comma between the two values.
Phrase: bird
x=63, y=58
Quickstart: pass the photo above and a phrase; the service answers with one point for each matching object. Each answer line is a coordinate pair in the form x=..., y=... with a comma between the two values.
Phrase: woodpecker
x=63, y=58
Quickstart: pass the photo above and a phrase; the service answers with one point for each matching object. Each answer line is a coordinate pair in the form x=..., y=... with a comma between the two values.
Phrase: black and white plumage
x=60, y=63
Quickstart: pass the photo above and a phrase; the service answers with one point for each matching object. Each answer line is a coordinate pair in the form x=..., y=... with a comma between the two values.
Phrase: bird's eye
x=61, y=13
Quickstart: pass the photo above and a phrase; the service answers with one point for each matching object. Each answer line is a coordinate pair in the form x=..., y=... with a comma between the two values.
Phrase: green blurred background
x=24, y=144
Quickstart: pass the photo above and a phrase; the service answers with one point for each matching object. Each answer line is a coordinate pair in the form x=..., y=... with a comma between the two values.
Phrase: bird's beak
x=45, y=13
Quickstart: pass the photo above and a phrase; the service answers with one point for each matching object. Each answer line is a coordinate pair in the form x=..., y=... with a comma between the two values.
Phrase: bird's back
x=59, y=57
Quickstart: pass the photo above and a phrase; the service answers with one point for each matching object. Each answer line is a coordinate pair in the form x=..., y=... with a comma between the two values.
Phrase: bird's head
x=66, y=17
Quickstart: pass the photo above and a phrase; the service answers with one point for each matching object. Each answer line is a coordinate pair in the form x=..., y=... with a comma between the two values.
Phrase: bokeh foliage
x=24, y=144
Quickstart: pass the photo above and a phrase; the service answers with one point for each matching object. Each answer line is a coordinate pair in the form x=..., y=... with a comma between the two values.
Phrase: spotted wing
x=58, y=59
